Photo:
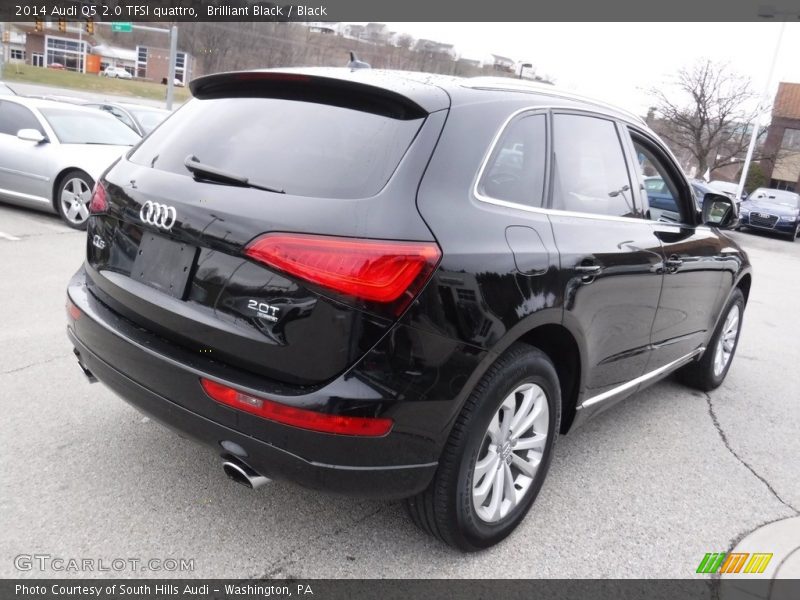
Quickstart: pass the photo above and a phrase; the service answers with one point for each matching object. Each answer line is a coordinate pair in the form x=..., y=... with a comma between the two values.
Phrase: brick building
x=783, y=139
x=75, y=50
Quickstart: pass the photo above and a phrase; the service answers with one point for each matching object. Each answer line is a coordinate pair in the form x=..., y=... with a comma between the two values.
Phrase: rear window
x=303, y=148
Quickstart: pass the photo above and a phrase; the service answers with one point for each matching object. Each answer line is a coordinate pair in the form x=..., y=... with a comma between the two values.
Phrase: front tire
x=709, y=372
x=72, y=198
x=497, y=456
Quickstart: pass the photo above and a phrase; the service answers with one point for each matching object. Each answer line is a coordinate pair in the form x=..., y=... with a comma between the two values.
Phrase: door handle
x=673, y=263
x=588, y=270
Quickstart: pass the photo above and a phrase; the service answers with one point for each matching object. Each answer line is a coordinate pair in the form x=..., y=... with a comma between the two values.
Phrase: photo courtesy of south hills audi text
x=433, y=284
x=160, y=590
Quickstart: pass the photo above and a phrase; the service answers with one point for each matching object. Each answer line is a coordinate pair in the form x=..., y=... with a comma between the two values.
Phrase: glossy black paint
x=508, y=273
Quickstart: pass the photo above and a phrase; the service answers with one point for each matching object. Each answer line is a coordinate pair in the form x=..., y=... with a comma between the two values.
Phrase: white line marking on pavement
x=8, y=237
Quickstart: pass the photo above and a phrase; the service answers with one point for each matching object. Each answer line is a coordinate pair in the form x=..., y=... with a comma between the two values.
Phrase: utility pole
x=173, y=56
x=2, y=50
x=173, y=50
x=759, y=111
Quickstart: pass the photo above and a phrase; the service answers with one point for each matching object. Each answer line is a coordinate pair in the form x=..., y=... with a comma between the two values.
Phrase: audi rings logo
x=160, y=215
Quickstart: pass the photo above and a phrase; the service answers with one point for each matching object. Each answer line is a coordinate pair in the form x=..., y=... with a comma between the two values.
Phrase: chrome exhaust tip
x=244, y=475
x=89, y=375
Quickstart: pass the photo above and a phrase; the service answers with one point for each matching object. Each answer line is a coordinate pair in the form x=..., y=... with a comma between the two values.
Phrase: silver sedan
x=51, y=153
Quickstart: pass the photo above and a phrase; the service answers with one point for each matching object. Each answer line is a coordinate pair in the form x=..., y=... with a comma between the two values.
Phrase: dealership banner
x=389, y=589
x=168, y=11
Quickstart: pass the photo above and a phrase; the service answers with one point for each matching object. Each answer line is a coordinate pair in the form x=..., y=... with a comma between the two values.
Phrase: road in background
x=645, y=490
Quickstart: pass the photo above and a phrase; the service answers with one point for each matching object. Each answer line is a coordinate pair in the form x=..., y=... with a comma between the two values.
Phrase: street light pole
x=759, y=111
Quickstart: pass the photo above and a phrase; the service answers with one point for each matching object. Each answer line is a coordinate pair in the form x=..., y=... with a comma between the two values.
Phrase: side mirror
x=31, y=135
x=719, y=211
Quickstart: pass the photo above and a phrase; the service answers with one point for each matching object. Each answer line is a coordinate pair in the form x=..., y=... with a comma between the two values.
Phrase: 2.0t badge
x=160, y=215
x=264, y=310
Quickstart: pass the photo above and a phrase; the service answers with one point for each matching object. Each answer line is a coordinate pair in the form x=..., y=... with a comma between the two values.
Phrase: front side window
x=660, y=187
x=590, y=172
x=516, y=169
x=14, y=117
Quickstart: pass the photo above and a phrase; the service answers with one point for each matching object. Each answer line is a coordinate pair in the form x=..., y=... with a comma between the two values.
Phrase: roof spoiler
x=307, y=88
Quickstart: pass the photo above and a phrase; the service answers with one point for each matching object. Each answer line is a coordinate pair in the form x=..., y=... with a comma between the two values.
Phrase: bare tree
x=404, y=41
x=709, y=117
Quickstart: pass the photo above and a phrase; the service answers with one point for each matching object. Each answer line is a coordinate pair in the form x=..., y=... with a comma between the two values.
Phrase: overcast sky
x=616, y=62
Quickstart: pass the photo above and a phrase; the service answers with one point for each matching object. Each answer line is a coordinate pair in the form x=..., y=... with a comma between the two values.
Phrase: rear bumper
x=163, y=381
x=273, y=462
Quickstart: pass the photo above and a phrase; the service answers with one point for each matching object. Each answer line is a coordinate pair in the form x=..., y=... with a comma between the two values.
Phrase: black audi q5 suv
x=399, y=285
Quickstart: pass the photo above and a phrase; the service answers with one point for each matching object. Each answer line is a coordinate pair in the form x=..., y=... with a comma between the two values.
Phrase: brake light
x=376, y=270
x=98, y=204
x=296, y=417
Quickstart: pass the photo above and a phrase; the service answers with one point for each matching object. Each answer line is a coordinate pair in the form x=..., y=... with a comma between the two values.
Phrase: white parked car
x=51, y=153
x=117, y=72
x=727, y=188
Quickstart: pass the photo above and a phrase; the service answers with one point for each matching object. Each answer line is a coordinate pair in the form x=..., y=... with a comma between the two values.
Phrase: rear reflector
x=98, y=204
x=376, y=270
x=296, y=417
x=73, y=311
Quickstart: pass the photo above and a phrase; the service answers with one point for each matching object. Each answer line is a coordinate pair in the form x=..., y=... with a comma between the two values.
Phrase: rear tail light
x=373, y=270
x=98, y=204
x=296, y=417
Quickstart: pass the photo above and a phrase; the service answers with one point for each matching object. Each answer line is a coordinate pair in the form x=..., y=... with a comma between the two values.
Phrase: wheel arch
x=744, y=284
x=561, y=347
x=559, y=342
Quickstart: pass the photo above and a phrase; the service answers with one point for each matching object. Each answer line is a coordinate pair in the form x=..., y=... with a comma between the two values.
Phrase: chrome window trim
x=641, y=379
x=540, y=209
x=503, y=84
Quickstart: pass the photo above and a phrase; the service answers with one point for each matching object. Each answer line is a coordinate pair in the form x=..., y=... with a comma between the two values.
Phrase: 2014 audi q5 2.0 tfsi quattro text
x=399, y=285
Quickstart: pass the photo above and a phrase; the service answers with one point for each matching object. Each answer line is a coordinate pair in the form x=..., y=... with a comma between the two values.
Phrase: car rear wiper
x=208, y=173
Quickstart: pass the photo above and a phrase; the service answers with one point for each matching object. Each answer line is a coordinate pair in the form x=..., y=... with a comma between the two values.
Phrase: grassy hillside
x=90, y=83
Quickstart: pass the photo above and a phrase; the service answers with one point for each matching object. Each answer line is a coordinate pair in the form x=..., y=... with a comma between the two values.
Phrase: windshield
x=88, y=127
x=149, y=119
x=783, y=197
x=303, y=148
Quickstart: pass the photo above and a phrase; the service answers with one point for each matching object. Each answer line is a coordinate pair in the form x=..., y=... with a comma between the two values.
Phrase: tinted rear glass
x=303, y=148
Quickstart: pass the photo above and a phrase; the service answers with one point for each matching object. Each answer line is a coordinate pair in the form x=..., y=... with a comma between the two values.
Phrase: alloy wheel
x=75, y=197
x=727, y=340
x=512, y=449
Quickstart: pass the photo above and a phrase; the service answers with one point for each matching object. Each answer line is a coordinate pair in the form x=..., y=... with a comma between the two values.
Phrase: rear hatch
x=291, y=242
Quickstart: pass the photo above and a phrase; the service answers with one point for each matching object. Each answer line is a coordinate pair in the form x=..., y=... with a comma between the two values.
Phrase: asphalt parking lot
x=645, y=490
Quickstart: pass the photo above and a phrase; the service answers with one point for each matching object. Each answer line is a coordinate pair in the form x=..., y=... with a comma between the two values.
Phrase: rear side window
x=515, y=170
x=303, y=148
x=590, y=172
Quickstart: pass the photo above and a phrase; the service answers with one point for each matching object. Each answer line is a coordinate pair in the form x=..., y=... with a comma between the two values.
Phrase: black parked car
x=777, y=211
x=399, y=285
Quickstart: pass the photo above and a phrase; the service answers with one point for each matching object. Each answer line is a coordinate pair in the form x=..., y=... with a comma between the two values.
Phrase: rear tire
x=72, y=199
x=489, y=475
x=709, y=372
